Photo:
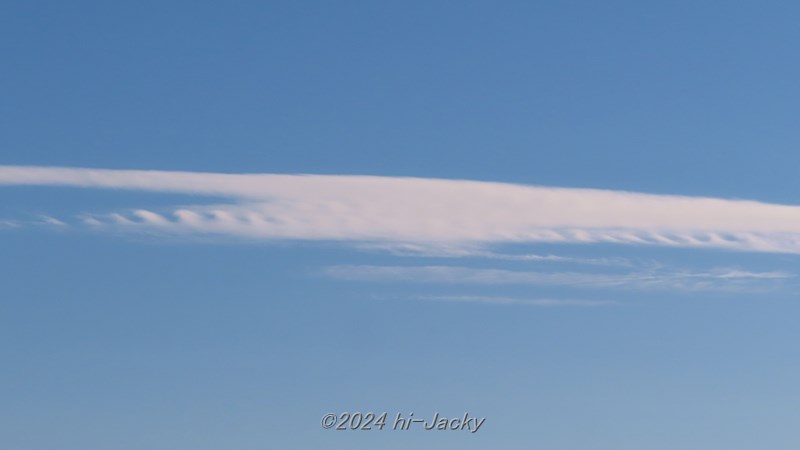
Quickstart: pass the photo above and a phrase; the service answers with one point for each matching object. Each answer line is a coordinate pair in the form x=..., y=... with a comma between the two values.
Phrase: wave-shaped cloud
x=430, y=211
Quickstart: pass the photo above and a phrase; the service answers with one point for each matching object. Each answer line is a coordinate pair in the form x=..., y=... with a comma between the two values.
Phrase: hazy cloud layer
x=428, y=211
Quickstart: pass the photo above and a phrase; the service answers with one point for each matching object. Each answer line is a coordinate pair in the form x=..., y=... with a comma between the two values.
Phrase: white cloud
x=493, y=300
x=718, y=279
x=468, y=251
x=430, y=211
x=47, y=220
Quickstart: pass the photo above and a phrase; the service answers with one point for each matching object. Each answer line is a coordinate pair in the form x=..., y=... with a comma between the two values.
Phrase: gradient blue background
x=112, y=342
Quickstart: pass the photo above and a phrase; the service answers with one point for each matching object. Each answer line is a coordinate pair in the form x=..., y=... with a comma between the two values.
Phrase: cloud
x=493, y=300
x=5, y=223
x=47, y=220
x=722, y=279
x=428, y=211
x=467, y=251
x=40, y=221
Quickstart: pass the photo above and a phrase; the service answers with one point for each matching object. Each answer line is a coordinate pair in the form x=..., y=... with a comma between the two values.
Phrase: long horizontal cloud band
x=370, y=208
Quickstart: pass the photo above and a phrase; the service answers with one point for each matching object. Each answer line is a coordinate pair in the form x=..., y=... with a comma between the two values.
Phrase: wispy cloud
x=40, y=221
x=425, y=211
x=5, y=223
x=47, y=220
x=494, y=300
x=471, y=251
x=717, y=279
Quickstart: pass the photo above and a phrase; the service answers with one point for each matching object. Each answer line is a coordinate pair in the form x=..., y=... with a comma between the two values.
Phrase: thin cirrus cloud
x=497, y=300
x=472, y=251
x=720, y=279
x=428, y=211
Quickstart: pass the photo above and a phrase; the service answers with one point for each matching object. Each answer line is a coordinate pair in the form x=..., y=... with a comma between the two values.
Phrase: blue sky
x=552, y=232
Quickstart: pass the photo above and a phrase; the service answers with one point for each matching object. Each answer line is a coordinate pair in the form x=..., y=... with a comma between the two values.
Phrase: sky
x=577, y=220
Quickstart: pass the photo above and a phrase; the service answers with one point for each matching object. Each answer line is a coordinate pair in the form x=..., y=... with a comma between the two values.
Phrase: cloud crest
x=428, y=211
